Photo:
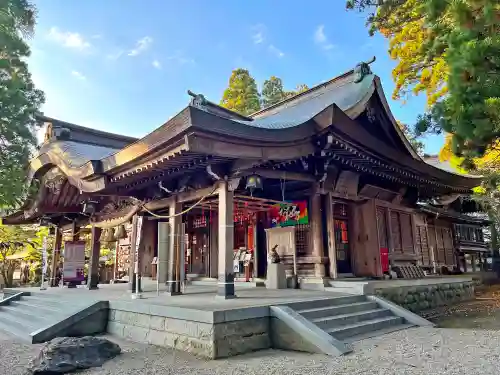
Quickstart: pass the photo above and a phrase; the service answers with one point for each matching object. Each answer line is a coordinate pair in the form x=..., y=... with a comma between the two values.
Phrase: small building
x=326, y=177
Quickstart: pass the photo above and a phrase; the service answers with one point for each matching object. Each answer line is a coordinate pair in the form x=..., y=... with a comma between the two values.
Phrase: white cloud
x=181, y=59
x=69, y=39
x=156, y=64
x=115, y=55
x=321, y=39
x=142, y=45
x=276, y=51
x=258, y=35
x=78, y=75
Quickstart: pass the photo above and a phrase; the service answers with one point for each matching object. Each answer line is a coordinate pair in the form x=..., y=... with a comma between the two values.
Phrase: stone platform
x=197, y=321
x=412, y=294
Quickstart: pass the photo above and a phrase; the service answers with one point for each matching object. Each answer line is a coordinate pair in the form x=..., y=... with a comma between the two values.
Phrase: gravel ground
x=414, y=351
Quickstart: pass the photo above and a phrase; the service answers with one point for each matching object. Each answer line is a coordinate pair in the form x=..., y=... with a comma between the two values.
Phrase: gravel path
x=414, y=351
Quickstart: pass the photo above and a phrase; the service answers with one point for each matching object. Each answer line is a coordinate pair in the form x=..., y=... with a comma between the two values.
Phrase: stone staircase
x=351, y=318
x=38, y=316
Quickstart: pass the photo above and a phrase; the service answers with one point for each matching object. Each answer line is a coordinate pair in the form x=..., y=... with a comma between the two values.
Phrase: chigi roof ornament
x=198, y=99
x=362, y=70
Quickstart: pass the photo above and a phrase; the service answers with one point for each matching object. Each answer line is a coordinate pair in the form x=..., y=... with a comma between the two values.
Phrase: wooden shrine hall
x=326, y=177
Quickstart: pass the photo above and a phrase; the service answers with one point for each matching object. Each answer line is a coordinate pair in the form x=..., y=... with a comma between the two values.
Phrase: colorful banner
x=74, y=261
x=288, y=214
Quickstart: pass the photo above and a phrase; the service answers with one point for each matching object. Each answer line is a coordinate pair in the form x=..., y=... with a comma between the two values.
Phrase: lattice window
x=302, y=236
x=422, y=245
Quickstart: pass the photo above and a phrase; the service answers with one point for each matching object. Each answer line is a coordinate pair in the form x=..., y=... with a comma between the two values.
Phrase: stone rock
x=67, y=354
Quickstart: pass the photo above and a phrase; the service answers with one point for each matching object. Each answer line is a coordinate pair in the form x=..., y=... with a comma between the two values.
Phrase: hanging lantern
x=254, y=182
x=120, y=233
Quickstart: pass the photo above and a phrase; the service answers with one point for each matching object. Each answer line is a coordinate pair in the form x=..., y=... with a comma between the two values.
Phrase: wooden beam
x=269, y=173
x=182, y=197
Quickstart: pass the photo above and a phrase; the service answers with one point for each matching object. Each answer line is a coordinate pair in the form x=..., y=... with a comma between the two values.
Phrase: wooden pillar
x=330, y=229
x=162, y=257
x=56, y=256
x=174, y=250
x=225, y=287
x=134, y=253
x=317, y=231
x=95, y=253
x=214, y=231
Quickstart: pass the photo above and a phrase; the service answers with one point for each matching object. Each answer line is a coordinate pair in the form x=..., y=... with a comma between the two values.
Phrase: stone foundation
x=211, y=335
x=424, y=297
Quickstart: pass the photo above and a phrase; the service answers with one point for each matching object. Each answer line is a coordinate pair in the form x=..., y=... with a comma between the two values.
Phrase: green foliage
x=19, y=100
x=272, y=91
x=241, y=95
x=450, y=49
x=414, y=140
x=18, y=240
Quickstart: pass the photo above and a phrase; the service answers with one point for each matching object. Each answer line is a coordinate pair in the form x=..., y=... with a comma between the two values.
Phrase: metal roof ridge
x=304, y=93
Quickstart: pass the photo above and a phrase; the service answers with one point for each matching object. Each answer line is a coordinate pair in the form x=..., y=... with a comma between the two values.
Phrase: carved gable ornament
x=53, y=133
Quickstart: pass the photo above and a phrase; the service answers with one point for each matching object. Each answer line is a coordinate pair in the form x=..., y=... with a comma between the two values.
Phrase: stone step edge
x=363, y=323
x=355, y=304
x=342, y=316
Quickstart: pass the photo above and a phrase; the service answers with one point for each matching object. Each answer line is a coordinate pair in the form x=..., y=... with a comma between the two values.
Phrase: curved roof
x=280, y=132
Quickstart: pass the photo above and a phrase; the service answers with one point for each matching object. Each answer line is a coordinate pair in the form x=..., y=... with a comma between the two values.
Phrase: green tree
x=242, y=95
x=452, y=54
x=299, y=89
x=19, y=99
x=272, y=91
x=16, y=239
x=414, y=140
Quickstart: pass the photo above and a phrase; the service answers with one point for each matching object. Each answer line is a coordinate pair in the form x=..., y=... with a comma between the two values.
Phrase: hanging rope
x=180, y=213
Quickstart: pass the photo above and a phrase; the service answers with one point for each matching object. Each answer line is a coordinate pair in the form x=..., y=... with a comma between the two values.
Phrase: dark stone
x=67, y=354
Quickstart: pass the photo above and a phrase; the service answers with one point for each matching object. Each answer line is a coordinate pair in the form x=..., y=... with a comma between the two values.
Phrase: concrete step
x=379, y=332
x=329, y=322
x=319, y=312
x=325, y=302
x=30, y=314
x=42, y=308
x=27, y=323
x=345, y=331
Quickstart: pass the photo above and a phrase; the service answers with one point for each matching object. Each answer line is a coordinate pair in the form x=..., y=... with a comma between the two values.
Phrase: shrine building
x=326, y=177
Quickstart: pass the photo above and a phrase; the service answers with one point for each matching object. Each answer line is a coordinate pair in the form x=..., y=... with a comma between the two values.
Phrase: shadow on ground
x=481, y=313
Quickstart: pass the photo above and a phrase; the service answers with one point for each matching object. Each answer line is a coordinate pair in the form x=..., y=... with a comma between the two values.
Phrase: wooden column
x=214, y=231
x=134, y=252
x=174, y=250
x=225, y=287
x=330, y=229
x=317, y=231
x=95, y=253
x=56, y=256
x=163, y=246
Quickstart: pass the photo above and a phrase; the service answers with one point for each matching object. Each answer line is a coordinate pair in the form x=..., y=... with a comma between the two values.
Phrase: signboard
x=289, y=214
x=74, y=261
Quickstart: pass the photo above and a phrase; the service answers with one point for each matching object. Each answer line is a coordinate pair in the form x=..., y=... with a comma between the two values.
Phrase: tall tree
x=19, y=100
x=414, y=140
x=299, y=89
x=272, y=91
x=242, y=95
x=452, y=54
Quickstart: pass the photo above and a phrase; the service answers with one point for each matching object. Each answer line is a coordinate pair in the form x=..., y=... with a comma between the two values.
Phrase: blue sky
x=125, y=66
